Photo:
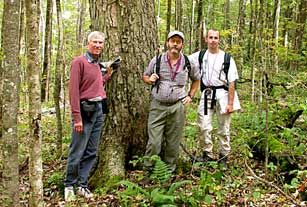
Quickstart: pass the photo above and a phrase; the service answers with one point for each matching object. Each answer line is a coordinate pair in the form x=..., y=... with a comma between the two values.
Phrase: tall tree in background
x=241, y=35
x=179, y=15
x=35, y=115
x=58, y=78
x=47, y=51
x=131, y=31
x=199, y=41
x=276, y=34
x=168, y=20
x=9, y=195
x=80, y=28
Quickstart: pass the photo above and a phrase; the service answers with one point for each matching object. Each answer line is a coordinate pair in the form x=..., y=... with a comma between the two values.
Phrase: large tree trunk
x=130, y=27
x=35, y=115
x=9, y=105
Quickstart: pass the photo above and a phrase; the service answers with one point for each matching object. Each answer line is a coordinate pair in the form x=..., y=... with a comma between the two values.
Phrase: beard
x=174, y=50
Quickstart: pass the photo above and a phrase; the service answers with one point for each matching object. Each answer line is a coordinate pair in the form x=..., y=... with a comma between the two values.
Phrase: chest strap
x=207, y=92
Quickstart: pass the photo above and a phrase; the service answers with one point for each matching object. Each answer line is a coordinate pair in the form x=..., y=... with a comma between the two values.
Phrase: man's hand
x=153, y=78
x=78, y=127
x=229, y=109
x=187, y=100
x=109, y=70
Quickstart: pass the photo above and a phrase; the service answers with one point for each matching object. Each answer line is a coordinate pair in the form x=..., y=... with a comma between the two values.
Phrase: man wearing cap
x=169, y=97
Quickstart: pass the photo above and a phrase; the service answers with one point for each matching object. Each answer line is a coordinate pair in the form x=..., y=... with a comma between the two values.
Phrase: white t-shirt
x=212, y=73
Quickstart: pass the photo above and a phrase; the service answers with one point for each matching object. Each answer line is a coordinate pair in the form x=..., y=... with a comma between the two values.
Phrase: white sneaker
x=85, y=192
x=69, y=194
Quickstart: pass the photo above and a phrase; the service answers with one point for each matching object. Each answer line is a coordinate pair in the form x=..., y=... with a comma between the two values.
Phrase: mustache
x=174, y=47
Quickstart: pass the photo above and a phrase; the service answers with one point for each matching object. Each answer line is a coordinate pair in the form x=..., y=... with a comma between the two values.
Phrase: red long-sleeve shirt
x=86, y=82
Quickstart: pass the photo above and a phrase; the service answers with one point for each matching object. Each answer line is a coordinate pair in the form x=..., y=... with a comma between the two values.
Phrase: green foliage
x=298, y=181
x=160, y=195
x=209, y=184
x=55, y=181
x=160, y=173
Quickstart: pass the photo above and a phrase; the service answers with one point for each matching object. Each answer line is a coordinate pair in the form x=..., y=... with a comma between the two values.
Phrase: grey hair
x=95, y=34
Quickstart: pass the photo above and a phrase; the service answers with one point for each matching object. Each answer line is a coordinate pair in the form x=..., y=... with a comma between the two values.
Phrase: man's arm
x=231, y=95
x=192, y=92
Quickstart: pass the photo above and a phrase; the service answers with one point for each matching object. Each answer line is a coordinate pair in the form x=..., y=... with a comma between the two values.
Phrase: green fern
x=177, y=185
x=161, y=173
x=133, y=189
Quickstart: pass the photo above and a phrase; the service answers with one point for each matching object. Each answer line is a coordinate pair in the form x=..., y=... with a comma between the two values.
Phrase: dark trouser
x=83, y=148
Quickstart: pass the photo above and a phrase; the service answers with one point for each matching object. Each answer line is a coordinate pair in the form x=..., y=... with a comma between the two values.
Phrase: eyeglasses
x=177, y=41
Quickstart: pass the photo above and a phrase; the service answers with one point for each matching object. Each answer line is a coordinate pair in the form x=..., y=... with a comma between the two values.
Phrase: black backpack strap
x=157, y=71
x=187, y=63
x=200, y=61
x=158, y=63
x=200, y=58
x=226, y=64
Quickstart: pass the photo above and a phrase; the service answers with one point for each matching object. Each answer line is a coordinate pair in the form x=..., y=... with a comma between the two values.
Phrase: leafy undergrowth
x=198, y=184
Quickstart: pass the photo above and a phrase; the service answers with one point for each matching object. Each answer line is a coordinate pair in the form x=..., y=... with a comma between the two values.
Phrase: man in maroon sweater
x=86, y=92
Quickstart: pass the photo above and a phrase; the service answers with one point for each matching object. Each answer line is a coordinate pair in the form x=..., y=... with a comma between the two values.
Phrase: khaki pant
x=205, y=123
x=165, y=127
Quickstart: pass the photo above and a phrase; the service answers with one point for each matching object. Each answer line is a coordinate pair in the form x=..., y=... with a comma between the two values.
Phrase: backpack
x=158, y=63
x=226, y=65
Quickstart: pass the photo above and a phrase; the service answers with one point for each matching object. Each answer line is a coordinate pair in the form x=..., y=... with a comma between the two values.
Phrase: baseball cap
x=175, y=32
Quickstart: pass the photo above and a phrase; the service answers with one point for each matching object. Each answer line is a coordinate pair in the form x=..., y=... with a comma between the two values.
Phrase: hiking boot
x=69, y=194
x=223, y=161
x=84, y=192
x=207, y=158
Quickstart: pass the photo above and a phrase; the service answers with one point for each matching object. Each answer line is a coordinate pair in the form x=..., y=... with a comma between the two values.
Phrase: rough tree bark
x=131, y=30
x=35, y=115
x=9, y=89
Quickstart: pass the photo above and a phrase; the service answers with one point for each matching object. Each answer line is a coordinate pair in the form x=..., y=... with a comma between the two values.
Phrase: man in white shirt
x=218, y=97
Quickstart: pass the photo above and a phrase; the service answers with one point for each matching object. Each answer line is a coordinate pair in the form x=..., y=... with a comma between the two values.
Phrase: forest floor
x=236, y=186
x=244, y=184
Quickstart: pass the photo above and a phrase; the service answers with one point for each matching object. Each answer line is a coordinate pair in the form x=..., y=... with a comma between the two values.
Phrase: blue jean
x=83, y=149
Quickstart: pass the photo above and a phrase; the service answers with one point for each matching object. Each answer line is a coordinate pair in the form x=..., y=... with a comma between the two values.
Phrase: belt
x=90, y=102
x=167, y=103
x=207, y=92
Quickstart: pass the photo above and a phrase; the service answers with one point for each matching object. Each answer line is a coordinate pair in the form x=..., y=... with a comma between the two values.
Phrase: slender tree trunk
x=179, y=14
x=125, y=133
x=241, y=35
x=253, y=31
x=58, y=79
x=158, y=20
x=200, y=19
x=35, y=115
x=168, y=21
x=192, y=26
x=9, y=89
x=47, y=51
x=276, y=34
x=80, y=28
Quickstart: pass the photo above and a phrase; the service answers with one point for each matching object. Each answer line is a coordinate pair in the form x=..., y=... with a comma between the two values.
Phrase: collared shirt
x=172, y=87
x=86, y=82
